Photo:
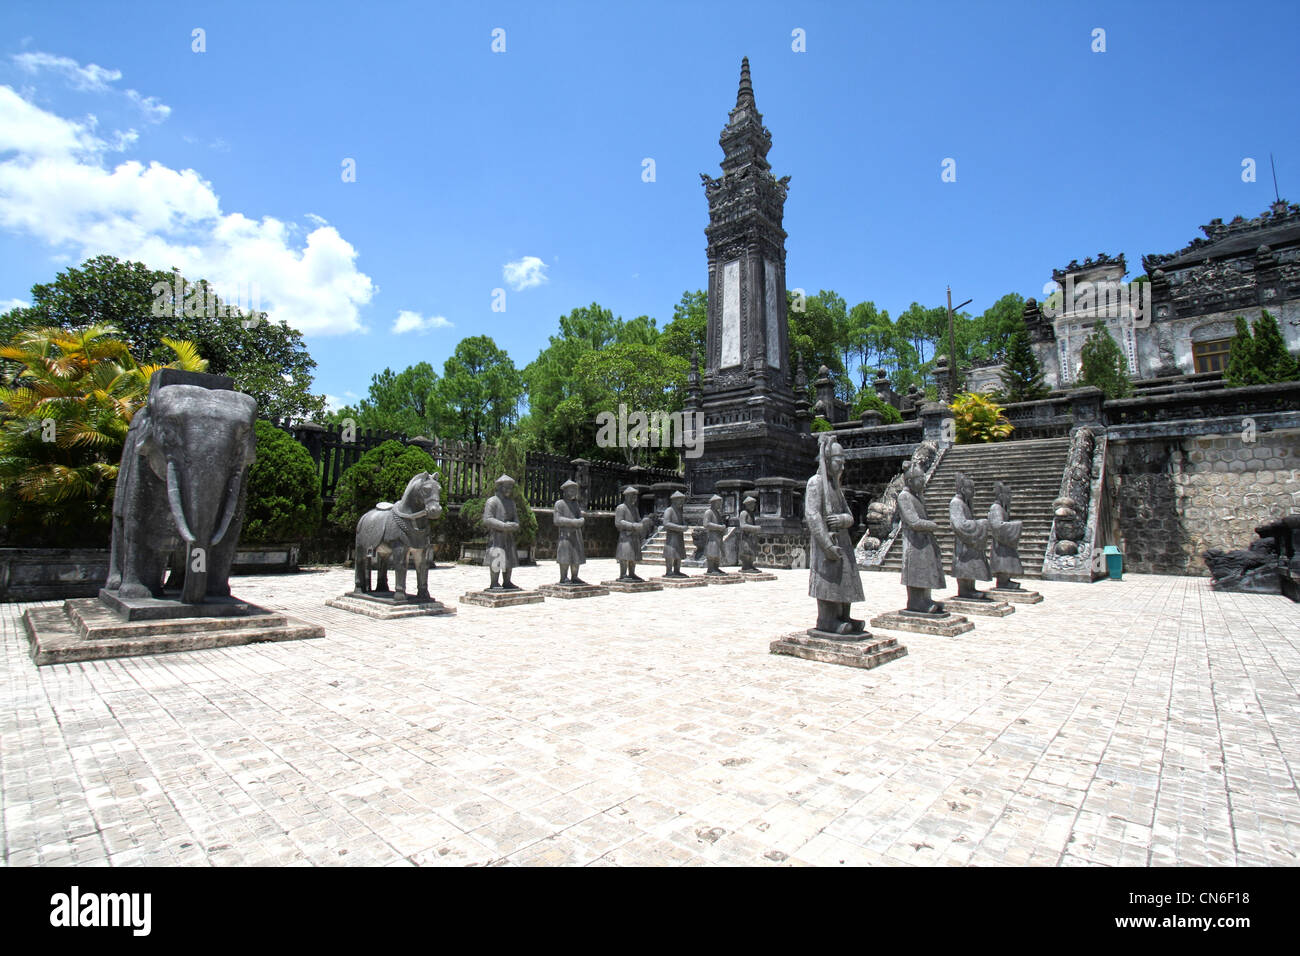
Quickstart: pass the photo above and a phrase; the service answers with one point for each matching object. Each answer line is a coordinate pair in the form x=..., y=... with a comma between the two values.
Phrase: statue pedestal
x=571, y=591
x=694, y=581
x=632, y=587
x=109, y=626
x=490, y=598
x=982, y=608
x=726, y=577
x=384, y=607
x=858, y=650
x=758, y=575
x=1016, y=595
x=944, y=625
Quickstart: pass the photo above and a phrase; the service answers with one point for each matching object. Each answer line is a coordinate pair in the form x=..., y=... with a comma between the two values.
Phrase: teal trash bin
x=1114, y=562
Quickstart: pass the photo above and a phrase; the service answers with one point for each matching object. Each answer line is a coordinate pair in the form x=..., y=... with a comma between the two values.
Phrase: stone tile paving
x=1149, y=721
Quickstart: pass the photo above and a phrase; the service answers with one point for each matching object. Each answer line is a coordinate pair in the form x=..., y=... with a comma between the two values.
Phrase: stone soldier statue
x=970, y=542
x=747, y=545
x=715, y=526
x=569, y=550
x=833, y=579
x=1006, y=539
x=502, y=523
x=674, y=521
x=922, y=562
x=632, y=529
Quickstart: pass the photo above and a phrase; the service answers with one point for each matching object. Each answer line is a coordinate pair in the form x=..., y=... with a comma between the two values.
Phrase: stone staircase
x=1033, y=471
x=652, y=549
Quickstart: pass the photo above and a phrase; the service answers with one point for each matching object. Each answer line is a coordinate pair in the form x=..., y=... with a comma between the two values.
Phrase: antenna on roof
x=1276, y=197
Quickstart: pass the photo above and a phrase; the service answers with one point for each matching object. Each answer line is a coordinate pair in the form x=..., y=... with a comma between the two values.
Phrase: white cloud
x=524, y=273
x=56, y=187
x=413, y=322
x=7, y=304
x=91, y=78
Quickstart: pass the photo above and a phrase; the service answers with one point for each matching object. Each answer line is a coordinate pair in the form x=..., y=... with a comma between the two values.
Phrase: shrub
x=1242, y=368
x=1104, y=365
x=1274, y=362
x=978, y=419
x=381, y=474
x=471, y=514
x=1022, y=375
x=284, y=502
x=820, y=424
x=868, y=399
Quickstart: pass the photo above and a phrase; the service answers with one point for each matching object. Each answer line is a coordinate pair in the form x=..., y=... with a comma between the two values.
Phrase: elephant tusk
x=231, y=503
x=178, y=510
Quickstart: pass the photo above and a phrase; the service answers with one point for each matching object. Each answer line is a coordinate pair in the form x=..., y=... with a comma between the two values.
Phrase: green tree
x=812, y=333
x=63, y=421
x=1103, y=364
x=381, y=474
x=687, y=333
x=480, y=390
x=638, y=376
x=1022, y=374
x=267, y=359
x=284, y=502
x=407, y=402
x=1270, y=353
x=868, y=399
x=1242, y=369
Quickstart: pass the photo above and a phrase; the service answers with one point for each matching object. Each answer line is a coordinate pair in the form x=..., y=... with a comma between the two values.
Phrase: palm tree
x=63, y=420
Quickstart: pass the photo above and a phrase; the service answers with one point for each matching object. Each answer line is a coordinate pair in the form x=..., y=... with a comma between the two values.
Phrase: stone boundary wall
x=1179, y=496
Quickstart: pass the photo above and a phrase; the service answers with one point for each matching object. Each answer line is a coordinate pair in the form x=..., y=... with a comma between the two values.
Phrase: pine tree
x=1104, y=365
x=1242, y=368
x=1022, y=375
x=1273, y=361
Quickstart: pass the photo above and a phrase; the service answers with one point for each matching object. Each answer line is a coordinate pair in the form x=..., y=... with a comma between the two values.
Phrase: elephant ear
x=151, y=450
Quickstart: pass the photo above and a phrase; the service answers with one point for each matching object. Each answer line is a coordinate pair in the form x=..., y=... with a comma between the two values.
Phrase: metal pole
x=952, y=352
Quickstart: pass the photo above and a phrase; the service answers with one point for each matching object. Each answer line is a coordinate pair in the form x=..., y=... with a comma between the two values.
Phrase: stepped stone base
x=385, y=608
x=88, y=629
x=859, y=650
x=1016, y=595
x=982, y=608
x=944, y=625
x=758, y=575
x=573, y=591
x=632, y=587
x=724, y=578
x=694, y=581
x=488, y=598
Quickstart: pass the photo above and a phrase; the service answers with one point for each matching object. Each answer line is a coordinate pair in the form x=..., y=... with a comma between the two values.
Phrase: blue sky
x=115, y=136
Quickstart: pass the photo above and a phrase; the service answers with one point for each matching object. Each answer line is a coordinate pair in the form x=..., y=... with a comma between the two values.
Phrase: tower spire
x=745, y=95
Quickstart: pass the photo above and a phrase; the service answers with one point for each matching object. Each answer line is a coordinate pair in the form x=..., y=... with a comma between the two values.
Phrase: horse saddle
x=384, y=506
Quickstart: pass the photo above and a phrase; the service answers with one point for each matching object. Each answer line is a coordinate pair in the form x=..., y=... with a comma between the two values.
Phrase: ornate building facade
x=1182, y=322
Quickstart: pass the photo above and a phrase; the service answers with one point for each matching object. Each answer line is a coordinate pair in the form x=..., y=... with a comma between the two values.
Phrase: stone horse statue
x=387, y=532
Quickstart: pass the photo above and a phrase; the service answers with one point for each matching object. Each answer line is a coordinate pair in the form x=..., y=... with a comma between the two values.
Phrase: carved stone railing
x=880, y=441
x=883, y=528
x=1081, y=512
x=1209, y=403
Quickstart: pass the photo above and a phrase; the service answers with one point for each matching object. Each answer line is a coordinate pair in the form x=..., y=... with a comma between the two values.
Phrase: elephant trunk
x=195, y=528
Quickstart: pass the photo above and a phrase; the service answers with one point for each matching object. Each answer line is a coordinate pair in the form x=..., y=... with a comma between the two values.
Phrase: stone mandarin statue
x=675, y=526
x=181, y=488
x=922, y=562
x=833, y=579
x=970, y=542
x=387, y=533
x=502, y=523
x=747, y=548
x=569, y=549
x=715, y=526
x=1006, y=539
x=632, y=529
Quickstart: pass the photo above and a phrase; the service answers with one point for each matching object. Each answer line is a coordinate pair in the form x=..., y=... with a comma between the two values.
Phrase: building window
x=1211, y=356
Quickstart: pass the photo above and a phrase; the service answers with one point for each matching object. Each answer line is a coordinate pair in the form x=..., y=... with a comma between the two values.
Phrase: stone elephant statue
x=181, y=487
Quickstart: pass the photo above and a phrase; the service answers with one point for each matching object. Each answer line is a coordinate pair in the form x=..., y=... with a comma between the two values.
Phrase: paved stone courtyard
x=1149, y=721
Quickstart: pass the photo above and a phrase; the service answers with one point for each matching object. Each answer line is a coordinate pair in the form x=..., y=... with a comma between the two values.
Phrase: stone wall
x=1177, y=497
x=598, y=534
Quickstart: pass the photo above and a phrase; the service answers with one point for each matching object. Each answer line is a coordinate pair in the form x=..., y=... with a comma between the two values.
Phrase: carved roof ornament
x=1281, y=217
x=1103, y=259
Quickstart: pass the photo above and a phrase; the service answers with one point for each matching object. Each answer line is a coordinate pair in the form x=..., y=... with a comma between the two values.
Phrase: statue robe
x=674, y=531
x=569, y=549
x=746, y=546
x=829, y=580
x=497, y=513
x=714, y=527
x=970, y=542
x=630, y=533
x=922, y=562
x=1006, y=541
